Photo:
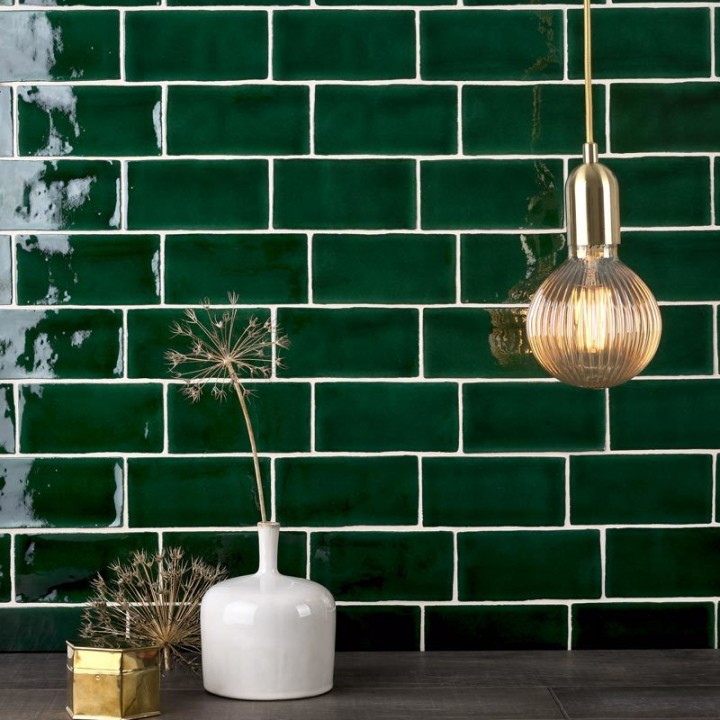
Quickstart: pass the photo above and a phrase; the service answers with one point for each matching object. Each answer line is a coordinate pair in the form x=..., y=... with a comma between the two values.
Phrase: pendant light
x=593, y=322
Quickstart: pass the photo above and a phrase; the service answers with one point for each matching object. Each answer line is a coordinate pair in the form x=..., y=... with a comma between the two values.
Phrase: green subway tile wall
x=384, y=180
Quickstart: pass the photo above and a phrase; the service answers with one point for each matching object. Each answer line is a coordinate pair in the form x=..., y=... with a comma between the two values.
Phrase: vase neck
x=268, y=535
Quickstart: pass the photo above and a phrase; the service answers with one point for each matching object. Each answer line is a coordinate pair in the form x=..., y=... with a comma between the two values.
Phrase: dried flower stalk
x=152, y=600
x=219, y=352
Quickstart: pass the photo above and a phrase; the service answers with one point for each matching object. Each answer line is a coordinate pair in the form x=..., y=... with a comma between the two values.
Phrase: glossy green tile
x=237, y=552
x=486, y=491
x=393, y=351
x=61, y=344
x=378, y=417
x=88, y=269
x=7, y=420
x=280, y=413
x=476, y=342
x=61, y=492
x=6, y=122
x=526, y=565
x=665, y=414
x=528, y=119
x=5, y=568
x=38, y=629
x=519, y=417
x=59, y=568
x=389, y=120
x=643, y=489
x=382, y=565
x=468, y=45
x=676, y=265
x=341, y=45
x=633, y=626
x=331, y=194
x=69, y=194
x=60, y=46
x=77, y=120
x=468, y=194
x=383, y=268
x=198, y=194
x=686, y=345
x=537, y=627
x=90, y=418
x=643, y=42
x=338, y=491
x=194, y=492
x=243, y=120
x=6, y=284
x=200, y=45
x=367, y=628
x=658, y=562
x=259, y=268
x=149, y=337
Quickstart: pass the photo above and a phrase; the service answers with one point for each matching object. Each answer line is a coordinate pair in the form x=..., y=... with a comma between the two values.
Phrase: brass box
x=108, y=684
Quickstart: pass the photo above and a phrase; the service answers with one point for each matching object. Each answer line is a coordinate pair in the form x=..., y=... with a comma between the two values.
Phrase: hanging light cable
x=593, y=322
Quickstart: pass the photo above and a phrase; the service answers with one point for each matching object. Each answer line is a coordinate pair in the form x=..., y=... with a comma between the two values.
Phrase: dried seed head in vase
x=221, y=352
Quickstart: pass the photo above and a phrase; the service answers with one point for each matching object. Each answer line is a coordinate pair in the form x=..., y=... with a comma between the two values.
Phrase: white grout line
x=271, y=36
x=456, y=563
x=460, y=145
x=712, y=42
x=418, y=68
x=126, y=496
x=311, y=101
x=569, y=627
x=271, y=194
x=17, y=401
x=164, y=120
x=308, y=559
x=122, y=14
x=310, y=279
x=273, y=491
x=15, y=119
x=13, y=582
x=166, y=422
x=608, y=143
x=607, y=419
x=716, y=350
x=566, y=44
x=713, y=511
x=313, y=418
x=421, y=511
x=567, y=492
x=422, y=628
x=717, y=629
x=458, y=269
x=713, y=161
x=418, y=195
x=603, y=560
x=421, y=344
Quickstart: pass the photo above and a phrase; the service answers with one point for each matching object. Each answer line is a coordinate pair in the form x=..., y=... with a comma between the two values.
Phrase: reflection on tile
x=5, y=121
x=58, y=195
x=53, y=492
x=60, y=344
x=7, y=419
x=5, y=270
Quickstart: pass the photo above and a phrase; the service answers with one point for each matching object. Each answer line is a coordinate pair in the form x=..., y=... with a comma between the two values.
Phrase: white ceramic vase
x=268, y=636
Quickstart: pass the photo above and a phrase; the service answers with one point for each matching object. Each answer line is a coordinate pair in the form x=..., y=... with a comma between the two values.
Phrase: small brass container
x=109, y=684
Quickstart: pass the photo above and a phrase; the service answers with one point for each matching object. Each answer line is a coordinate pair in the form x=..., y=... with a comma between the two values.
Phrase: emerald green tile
x=377, y=417
x=64, y=195
x=88, y=269
x=528, y=119
x=661, y=562
x=389, y=120
x=329, y=45
x=686, y=345
x=469, y=45
x=190, y=194
x=383, y=268
x=4, y=568
x=330, y=194
x=7, y=420
x=377, y=628
x=684, y=118
x=59, y=568
x=507, y=268
x=6, y=284
x=280, y=414
x=60, y=46
x=194, y=492
x=643, y=489
x=518, y=417
x=150, y=337
x=237, y=552
x=633, y=626
x=676, y=265
x=38, y=629
x=336, y=491
x=61, y=492
x=6, y=122
x=90, y=418
x=242, y=120
x=526, y=565
x=393, y=351
x=61, y=344
x=475, y=342
x=259, y=268
x=383, y=565
x=665, y=414
x=89, y=120
x=537, y=627
x=485, y=491
x=92, y=3
x=642, y=42
x=468, y=194
x=200, y=45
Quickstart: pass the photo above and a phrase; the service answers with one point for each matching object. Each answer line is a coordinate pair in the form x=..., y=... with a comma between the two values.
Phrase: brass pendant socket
x=592, y=206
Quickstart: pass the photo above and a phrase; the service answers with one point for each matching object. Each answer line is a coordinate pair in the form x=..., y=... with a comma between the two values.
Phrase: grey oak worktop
x=579, y=685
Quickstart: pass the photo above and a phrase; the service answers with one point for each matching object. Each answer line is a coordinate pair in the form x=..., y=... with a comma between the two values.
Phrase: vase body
x=268, y=636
